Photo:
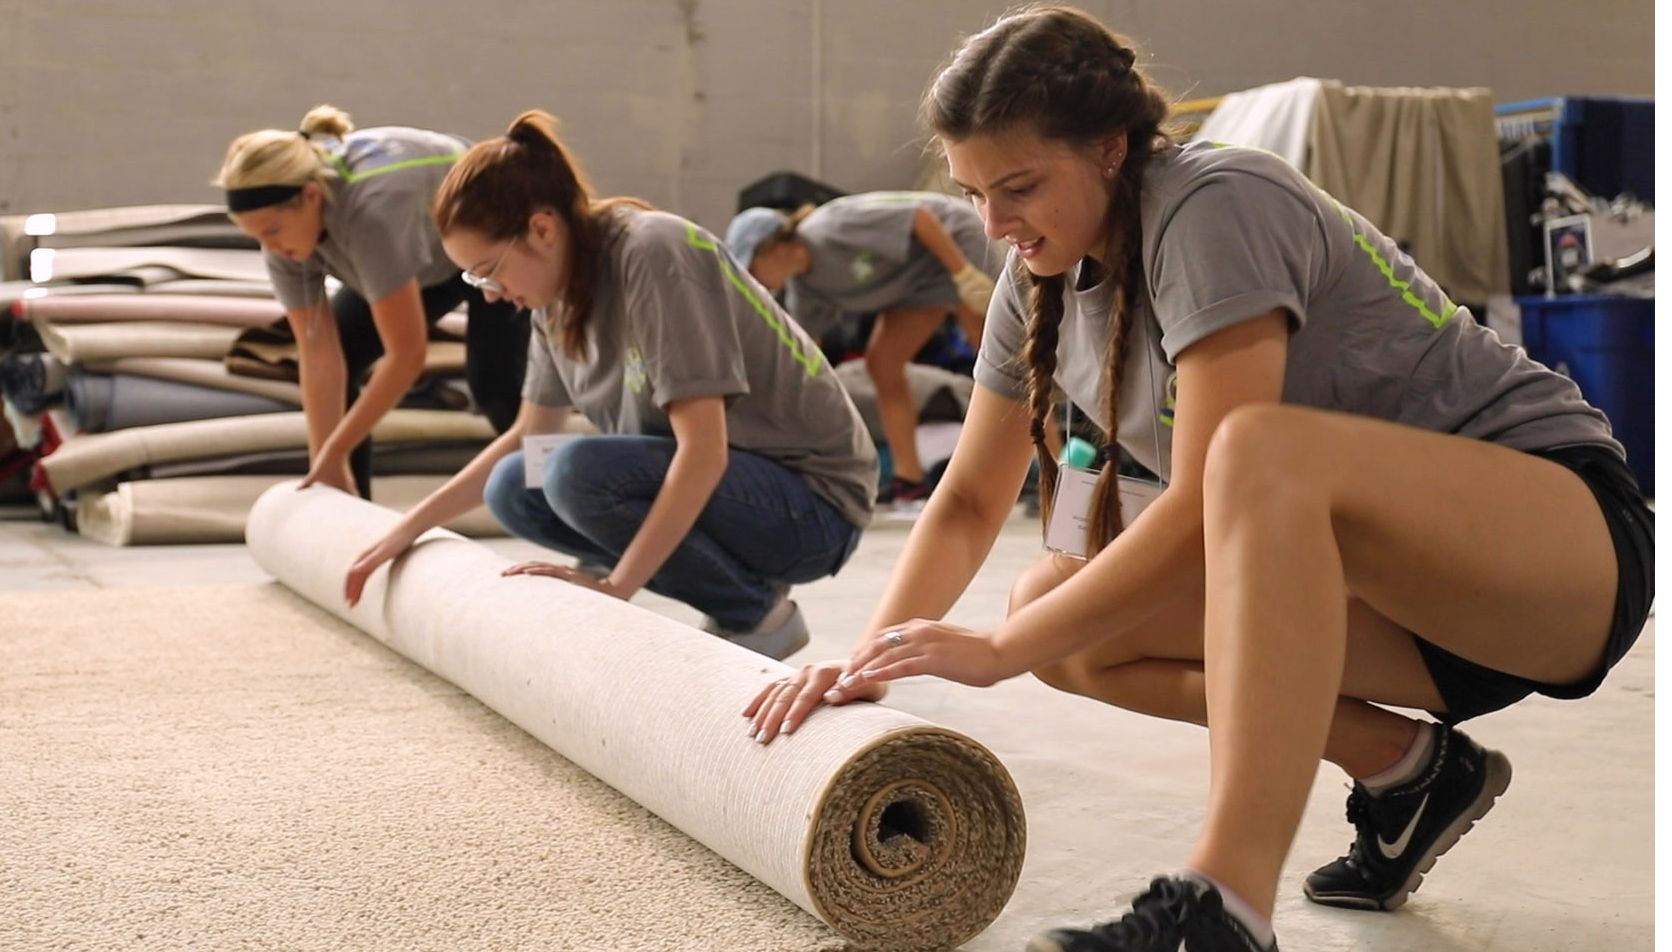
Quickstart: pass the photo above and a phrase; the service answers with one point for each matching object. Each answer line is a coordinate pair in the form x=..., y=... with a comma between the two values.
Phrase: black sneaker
x=1401, y=832
x=904, y=490
x=1173, y=911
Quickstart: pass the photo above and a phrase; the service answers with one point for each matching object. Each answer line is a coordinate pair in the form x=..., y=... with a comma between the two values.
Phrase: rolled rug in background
x=83, y=343
x=217, y=287
x=102, y=402
x=147, y=265
x=32, y=382
x=213, y=509
x=424, y=458
x=87, y=459
x=898, y=834
x=204, y=373
x=11, y=292
x=152, y=306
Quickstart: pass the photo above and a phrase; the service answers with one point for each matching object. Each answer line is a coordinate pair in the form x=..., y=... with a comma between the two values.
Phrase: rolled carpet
x=423, y=458
x=270, y=352
x=218, y=287
x=898, y=834
x=152, y=306
x=103, y=402
x=199, y=371
x=88, y=459
x=32, y=382
x=12, y=292
x=148, y=265
x=80, y=343
x=213, y=509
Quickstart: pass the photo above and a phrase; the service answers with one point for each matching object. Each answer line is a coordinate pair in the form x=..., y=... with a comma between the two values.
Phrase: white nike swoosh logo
x=1396, y=849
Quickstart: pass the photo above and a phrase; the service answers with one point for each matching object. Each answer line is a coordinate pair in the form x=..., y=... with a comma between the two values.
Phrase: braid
x=1105, y=520
x=1056, y=72
x=1126, y=266
x=1040, y=352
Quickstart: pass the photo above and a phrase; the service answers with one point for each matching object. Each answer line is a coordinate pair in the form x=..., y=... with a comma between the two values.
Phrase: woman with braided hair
x=1366, y=498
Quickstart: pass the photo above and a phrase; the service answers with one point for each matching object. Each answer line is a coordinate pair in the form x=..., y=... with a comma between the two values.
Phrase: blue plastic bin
x=1607, y=345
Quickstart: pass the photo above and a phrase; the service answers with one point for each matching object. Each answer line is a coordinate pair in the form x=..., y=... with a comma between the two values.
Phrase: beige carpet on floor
x=169, y=780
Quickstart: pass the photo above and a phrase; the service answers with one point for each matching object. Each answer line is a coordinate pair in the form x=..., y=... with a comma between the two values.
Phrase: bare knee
x=1262, y=458
x=1036, y=581
x=887, y=370
x=1071, y=675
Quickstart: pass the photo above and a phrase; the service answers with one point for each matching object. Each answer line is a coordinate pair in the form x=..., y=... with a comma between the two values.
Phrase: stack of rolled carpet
x=149, y=380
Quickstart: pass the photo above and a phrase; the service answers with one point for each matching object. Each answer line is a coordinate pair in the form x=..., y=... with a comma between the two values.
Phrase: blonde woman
x=327, y=199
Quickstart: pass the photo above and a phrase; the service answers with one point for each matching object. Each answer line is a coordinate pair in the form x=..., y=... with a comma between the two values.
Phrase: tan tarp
x=1422, y=164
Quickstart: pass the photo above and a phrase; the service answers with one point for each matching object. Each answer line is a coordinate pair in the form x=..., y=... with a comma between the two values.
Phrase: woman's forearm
x=946, y=548
x=928, y=231
x=1115, y=592
x=323, y=377
x=391, y=378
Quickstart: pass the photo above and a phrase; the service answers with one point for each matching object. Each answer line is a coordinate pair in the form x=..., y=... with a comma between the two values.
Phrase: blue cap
x=751, y=227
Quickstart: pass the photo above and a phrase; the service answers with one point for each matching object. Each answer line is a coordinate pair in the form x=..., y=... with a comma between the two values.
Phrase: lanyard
x=1149, y=379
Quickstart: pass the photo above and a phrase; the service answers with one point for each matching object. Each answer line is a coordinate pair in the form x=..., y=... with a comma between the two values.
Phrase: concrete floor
x=1565, y=862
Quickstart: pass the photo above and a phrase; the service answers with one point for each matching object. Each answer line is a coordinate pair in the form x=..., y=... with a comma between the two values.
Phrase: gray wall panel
x=106, y=102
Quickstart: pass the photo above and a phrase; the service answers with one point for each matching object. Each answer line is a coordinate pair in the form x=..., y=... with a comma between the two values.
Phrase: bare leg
x=1304, y=508
x=897, y=337
x=1158, y=671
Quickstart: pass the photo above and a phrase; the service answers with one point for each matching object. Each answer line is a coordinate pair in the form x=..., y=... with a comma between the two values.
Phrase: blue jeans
x=762, y=530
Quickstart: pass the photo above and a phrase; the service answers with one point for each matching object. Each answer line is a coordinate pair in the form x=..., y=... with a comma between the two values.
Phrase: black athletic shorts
x=1471, y=690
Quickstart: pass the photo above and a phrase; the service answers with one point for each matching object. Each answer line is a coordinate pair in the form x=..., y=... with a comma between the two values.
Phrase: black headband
x=249, y=199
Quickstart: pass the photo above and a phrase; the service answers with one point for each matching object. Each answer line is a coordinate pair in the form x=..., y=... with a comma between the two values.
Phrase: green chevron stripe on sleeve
x=351, y=177
x=811, y=363
x=1448, y=309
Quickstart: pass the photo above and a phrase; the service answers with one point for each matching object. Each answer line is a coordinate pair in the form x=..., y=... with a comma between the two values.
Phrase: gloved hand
x=975, y=289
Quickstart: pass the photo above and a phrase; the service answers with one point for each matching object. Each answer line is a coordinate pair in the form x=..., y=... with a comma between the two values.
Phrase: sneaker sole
x=774, y=645
x=1492, y=787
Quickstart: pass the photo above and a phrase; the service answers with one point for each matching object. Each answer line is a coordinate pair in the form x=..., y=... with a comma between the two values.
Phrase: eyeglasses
x=487, y=282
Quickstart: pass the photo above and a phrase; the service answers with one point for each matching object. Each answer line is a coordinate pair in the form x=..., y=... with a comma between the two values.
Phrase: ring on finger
x=895, y=638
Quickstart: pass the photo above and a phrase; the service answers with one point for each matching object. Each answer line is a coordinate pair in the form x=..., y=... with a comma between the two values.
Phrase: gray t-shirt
x=378, y=230
x=1230, y=234
x=865, y=258
x=673, y=318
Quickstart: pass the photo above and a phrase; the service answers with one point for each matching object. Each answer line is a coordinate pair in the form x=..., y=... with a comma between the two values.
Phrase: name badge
x=1136, y=495
x=536, y=447
x=1071, y=506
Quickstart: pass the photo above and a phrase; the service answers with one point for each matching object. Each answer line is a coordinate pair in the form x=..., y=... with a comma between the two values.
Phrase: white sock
x=1408, y=767
x=1257, y=925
